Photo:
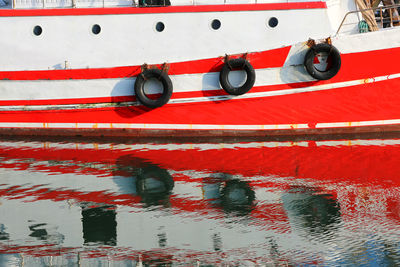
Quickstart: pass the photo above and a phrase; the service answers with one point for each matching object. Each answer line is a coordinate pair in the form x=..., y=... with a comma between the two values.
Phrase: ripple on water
x=326, y=203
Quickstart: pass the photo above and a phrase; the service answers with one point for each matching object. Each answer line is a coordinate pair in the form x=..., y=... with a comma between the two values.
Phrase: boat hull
x=285, y=100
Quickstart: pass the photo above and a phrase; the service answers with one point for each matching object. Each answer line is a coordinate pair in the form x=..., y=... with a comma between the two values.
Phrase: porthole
x=96, y=29
x=160, y=26
x=216, y=24
x=273, y=22
x=37, y=30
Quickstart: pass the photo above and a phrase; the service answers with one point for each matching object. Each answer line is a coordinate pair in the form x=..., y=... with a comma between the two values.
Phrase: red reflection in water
x=275, y=189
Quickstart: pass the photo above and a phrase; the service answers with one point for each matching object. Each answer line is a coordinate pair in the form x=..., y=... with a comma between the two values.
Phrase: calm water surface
x=236, y=203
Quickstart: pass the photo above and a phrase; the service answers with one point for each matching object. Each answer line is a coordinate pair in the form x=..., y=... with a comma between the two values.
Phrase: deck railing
x=384, y=18
x=16, y=4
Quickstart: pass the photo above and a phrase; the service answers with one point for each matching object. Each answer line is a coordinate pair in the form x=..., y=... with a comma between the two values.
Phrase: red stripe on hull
x=266, y=59
x=159, y=10
x=354, y=66
x=365, y=102
x=369, y=64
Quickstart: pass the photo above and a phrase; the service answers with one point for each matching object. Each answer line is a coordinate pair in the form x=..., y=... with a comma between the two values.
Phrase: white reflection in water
x=330, y=203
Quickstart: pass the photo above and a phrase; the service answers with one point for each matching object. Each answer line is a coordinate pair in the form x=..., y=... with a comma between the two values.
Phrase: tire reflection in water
x=232, y=195
x=150, y=182
x=237, y=197
x=154, y=185
x=311, y=211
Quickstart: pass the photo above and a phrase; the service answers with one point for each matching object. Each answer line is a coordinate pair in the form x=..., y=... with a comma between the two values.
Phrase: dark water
x=233, y=203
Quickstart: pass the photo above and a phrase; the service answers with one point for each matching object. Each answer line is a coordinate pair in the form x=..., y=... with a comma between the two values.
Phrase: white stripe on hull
x=73, y=89
x=196, y=126
x=250, y=95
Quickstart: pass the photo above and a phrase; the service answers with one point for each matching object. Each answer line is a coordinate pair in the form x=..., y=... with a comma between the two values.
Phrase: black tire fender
x=332, y=51
x=237, y=64
x=166, y=84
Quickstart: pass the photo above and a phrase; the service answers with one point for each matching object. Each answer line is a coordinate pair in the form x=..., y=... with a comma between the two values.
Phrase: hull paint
x=368, y=104
x=285, y=99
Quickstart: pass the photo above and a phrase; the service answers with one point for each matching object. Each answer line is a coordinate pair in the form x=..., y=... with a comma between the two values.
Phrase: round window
x=160, y=26
x=273, y=22
x=96, y=29
x=216, y=24
x=37, y=30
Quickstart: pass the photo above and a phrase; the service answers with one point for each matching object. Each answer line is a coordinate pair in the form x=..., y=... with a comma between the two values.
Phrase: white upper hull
x=132, y=39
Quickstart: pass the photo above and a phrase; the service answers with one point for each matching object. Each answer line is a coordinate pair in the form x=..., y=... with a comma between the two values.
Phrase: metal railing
x=381, y=18
x=15, y=4
x=106, y=3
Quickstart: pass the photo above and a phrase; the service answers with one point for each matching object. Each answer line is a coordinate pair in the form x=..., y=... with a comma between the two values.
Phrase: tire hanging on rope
x=237, y=64
x=333, y=57
x=159, y=75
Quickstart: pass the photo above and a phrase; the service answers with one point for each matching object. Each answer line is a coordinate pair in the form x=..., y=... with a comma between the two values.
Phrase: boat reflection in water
x=240, y=203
